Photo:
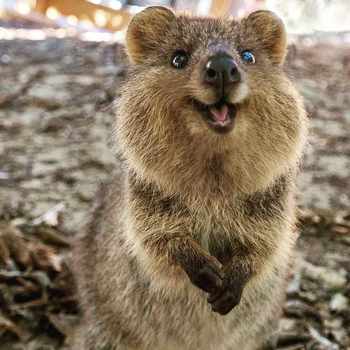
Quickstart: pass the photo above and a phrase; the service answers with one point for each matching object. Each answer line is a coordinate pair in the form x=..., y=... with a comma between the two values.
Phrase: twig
x=8, y=99
x=289, y=339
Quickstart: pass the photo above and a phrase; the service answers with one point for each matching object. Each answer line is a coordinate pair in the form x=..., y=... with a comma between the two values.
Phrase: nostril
x=234, y=75
x=211, y=73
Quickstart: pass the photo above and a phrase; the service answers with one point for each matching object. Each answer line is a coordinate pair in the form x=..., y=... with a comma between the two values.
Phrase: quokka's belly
x=164, y=317
x=248, y=326
x=189, y=324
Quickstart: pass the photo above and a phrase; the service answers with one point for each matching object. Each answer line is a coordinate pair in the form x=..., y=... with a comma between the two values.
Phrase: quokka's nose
x=220, y=71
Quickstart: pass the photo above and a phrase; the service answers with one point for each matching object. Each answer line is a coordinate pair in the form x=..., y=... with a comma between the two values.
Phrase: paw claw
x=208, y=279
x=207, y=275
x=225, y=303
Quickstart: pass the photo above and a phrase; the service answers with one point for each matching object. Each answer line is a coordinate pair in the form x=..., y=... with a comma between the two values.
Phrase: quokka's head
x=208, y=86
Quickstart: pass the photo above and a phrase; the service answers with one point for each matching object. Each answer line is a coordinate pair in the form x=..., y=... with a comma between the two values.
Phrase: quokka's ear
x=146, y=30
x=270, y=32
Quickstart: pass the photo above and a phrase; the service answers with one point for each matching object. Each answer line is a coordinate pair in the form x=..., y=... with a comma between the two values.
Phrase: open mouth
x=219, y=116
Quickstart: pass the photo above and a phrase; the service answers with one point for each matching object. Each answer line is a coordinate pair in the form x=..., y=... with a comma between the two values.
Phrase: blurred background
x=61, y=65
x=300, y=16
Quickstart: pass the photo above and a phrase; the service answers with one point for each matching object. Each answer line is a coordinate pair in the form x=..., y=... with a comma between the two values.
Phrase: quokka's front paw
x=229, y=295
x=206, y=273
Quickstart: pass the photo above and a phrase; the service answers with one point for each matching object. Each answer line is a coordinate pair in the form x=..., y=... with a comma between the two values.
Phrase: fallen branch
x=8, y=99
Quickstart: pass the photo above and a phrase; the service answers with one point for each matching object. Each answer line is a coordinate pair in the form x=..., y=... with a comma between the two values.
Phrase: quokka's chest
x=238, y=226
x=216, y=233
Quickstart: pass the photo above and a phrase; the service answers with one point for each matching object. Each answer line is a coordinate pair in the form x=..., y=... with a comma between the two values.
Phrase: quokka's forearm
x=204, y=270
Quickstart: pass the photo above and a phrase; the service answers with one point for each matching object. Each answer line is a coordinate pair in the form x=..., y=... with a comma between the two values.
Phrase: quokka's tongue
x=219, y=115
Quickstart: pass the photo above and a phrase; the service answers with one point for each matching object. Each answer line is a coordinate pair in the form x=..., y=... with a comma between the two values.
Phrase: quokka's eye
x=248, y=57
x=179, y=59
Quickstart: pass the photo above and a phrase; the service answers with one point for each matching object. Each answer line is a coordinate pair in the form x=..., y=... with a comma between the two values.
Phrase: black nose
x=221, y=71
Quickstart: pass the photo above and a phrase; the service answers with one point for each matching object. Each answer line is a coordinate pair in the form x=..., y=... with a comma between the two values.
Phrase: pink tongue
x=220, y=115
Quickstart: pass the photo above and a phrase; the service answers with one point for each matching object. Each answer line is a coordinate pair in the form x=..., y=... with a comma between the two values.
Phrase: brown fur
x=198, y=224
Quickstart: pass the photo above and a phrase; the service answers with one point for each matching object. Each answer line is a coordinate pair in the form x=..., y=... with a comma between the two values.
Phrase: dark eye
x=248, y=57
x=179, y=59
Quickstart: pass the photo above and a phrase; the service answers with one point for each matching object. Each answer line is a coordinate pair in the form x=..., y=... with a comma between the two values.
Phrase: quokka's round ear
x=270, y=33
x=146, y=30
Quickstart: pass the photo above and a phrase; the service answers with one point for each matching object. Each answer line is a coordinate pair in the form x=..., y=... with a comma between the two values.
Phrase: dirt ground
x=56, y=115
